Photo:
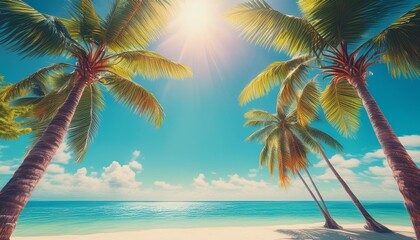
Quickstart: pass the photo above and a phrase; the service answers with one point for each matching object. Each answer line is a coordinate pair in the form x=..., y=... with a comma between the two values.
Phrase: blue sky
x=200, y=152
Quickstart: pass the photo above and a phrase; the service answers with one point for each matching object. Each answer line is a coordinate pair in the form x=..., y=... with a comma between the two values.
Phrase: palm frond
x=259, y=23
x=29, y=32
x=272, y=76
x=298, y=153
x=325, y=138
x=338, y=20
x=134, y=96
x=294, y=81
x=261, y=135
x=37, y=79
x=85, y=24
x=257, y=114
x=257, y=123
x=26, y=101
x=264, y=155
x=11, y=126
x=307, y=103
x=85, y=122
x=133, y=24
x=303, y=134
x=341, y=105
x=399, y=45
x=46, y=108
x=149, y=64
x=284, y=159
x=272, y=159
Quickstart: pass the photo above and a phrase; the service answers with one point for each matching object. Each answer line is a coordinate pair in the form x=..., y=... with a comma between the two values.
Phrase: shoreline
x=297, y=231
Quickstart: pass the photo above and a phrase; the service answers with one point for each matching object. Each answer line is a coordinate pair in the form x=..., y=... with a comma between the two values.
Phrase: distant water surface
x=64, y=218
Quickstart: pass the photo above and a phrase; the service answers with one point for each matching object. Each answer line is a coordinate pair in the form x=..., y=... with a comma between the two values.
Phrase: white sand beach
x=301, y=231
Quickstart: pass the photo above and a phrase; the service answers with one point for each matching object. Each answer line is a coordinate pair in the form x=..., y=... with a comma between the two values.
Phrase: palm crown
x=108, y=52
x=286, y=142
x=320, y=39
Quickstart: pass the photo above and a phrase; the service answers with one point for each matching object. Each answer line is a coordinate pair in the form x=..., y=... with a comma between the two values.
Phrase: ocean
x=64, y=218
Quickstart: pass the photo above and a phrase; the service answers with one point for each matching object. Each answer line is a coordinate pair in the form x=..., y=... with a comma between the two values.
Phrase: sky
x=200, y=152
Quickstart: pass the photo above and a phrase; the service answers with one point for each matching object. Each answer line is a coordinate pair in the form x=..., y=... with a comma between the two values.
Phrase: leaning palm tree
x=324, y=32
x=284, y=150
x=107, y=54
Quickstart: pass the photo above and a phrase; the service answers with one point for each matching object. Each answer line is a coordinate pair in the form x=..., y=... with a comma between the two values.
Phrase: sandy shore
x=302, y=231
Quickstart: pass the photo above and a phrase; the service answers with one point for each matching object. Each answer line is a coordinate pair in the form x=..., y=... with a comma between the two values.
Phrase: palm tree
x=278, y=133
x=108, y=53
x=10, y=127
x=324, y=32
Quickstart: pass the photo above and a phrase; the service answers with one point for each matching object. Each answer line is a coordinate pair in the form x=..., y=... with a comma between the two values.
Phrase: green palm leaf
x=85, y=122
x=133, y=24
x=325, y=138
x=85, y=24
x=261, y=135
x=272, y=76
x=290, y=85
x=11, y=127
x=149, y=64
x=264, y=155
x=341, y=105
x=37, y=79
x=136, y=97
x=400, y=46
x=261, y=24
x=258, y=114
x=307, y=103
x=32, y=33
x=338, y=20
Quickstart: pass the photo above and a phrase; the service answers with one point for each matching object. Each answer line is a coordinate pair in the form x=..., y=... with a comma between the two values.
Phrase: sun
x=199, y=36
x=196, y=16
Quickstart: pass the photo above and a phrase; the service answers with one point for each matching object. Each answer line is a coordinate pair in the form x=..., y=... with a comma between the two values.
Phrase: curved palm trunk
x=317, y=191
x=371, y=223
x=329, y=221
x=16, y=193
x=404, y=170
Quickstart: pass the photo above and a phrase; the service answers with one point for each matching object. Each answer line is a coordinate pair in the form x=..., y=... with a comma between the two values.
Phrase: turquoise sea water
x=63, y=218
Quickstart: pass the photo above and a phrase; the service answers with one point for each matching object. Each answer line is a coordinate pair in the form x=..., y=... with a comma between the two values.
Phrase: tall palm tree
x=107, y=53
x=282, y=145
x=325, y=31
x=11, y=128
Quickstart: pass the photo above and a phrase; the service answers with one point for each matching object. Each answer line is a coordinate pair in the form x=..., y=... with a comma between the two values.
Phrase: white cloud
x=234, y=182
x=410, y=140
x=136, y=155
x=253, y=173
x=55, y=168
x=120, y=176
x=5, y=170
x=375, y=155
x=222, y=184
x=166, y=186
x=338, y=161
x=1, y=148
x=236, y=179
x=200, y=182
x=63, y=154
x=347, y=174
x=379, y=155
x=135, y=165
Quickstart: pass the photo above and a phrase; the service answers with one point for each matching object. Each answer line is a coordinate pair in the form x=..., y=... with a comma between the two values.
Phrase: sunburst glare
x=199, y=36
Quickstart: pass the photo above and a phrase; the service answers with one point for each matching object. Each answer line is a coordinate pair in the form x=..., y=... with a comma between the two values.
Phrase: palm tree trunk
x=16, y=193
x=329, y=221
x=371, y=223
x=317, y=191
x=404, y=170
